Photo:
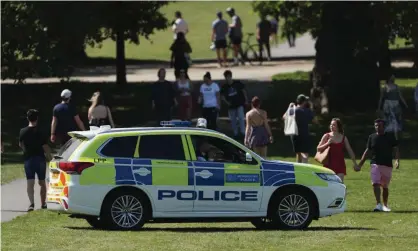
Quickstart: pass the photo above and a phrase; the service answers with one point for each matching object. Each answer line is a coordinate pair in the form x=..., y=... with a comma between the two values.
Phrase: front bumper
x=331, y=199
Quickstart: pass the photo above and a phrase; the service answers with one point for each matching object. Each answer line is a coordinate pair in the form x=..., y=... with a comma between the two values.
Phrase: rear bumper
x=56, y=207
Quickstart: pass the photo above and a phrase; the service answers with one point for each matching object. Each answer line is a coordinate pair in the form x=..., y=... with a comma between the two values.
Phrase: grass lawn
x=356, y=229
x=199, y=16
x=10, y=172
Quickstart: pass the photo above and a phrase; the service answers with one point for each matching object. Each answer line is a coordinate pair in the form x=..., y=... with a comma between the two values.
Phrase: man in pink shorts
x=381, y=146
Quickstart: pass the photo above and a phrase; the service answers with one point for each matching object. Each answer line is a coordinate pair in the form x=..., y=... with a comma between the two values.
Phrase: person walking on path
x=381, y=146
x=64, y=119
x=179, y=25
x=184, y=97
x=257, y=133
x=337, y=142
x=219, y=33
x=36, y=153
x=99, y=114
x=304, y=116
x=235, y=34
x=210, y=100
x=263, y=37
x=274, y=21
x=180, y=55
x=390, y=100
x=163, y=97
x=234, y=95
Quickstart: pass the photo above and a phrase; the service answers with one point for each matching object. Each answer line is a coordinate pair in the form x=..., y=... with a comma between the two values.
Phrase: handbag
x=323, y=157
x=290, y=126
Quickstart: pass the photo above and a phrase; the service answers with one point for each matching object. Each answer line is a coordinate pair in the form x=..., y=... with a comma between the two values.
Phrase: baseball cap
x=301, y=98
x=230, y=10
x=219, y=14
x=66, y=93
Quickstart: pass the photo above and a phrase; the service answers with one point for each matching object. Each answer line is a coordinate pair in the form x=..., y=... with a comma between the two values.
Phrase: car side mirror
x=248, y=157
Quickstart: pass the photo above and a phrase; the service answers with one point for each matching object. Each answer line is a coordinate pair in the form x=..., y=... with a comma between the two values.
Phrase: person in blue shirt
x=64, y=119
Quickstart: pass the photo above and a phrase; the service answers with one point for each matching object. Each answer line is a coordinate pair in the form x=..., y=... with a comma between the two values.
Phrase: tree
x=352, y=42
x=49, y=38
x=126, y=21
x=45, y=38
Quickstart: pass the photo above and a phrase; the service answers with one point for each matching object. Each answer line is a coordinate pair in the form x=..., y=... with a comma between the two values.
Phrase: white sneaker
x=386, y=209
x=378, y=208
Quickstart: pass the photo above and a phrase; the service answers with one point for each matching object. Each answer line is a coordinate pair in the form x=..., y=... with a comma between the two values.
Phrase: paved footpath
x=14, y=199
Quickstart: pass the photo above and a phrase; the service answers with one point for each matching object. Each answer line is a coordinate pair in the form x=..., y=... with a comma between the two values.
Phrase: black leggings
x=211, y=116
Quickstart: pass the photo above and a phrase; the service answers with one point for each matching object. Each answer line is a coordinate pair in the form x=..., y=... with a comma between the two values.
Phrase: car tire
x=125, y=210
x=95, y=222
x=292, y=210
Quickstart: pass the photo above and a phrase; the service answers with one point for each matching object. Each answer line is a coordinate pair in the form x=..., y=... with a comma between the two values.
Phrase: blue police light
x=175, y=123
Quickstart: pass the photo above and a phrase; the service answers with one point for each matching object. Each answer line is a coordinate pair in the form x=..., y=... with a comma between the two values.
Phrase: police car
x=123, y=178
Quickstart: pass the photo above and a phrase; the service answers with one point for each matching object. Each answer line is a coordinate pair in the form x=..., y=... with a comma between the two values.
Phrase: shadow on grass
x=391, y=212
x=226, y=229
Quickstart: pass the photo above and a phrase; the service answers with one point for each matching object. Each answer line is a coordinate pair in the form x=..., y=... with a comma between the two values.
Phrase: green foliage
x=50, y=37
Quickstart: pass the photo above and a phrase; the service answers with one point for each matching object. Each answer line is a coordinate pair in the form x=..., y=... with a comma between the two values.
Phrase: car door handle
x=204, y=174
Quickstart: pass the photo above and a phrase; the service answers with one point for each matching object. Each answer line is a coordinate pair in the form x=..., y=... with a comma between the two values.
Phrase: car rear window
x=68, y=148
x=120, y=147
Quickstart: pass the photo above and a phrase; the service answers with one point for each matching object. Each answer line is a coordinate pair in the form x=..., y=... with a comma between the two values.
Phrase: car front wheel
x=293, y=210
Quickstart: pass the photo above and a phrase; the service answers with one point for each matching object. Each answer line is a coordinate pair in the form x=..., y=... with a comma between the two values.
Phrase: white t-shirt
x=180, y=26
x=209, y=94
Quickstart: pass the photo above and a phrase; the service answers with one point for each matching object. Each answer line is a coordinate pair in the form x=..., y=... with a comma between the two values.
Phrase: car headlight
x=329, y=177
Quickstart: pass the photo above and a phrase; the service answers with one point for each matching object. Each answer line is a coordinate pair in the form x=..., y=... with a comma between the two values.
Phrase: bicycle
x=249, y=51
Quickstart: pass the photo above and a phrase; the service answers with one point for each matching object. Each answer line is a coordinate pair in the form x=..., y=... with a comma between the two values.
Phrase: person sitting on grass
x=381, y=146
x=36, y=153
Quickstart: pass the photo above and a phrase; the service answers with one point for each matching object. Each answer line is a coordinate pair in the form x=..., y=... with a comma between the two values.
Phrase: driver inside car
x=207, y=152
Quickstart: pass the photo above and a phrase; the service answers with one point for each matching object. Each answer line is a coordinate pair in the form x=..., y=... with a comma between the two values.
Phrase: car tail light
x=74, y=167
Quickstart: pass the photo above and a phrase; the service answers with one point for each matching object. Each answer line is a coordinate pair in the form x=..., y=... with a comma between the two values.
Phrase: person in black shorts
x=219, y=33
x=36, y=153
x=235, y=34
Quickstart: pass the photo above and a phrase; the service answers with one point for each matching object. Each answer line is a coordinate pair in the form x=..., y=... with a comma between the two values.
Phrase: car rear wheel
x=293, y=210
x=125, y=211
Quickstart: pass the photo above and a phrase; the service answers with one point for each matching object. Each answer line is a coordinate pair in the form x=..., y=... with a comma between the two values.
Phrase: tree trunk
x=120, y=57
x=348, y=71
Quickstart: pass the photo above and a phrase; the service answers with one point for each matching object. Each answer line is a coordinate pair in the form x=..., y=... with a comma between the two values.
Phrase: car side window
x=218, y=150
x=120, y=147
x=169, y=147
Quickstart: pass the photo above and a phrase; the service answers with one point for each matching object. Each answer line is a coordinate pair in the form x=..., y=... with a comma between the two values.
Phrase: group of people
x=381, y=146
x=252, y=127
x=34, y=141
x=266, y=30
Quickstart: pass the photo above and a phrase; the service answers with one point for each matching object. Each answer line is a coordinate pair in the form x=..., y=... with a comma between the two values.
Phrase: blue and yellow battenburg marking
x=181, y=173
